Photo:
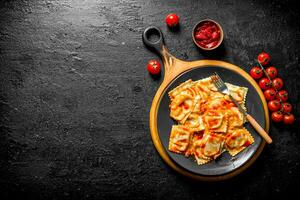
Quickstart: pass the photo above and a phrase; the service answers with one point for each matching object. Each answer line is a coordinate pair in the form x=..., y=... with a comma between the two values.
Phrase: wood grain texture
x=75, y=96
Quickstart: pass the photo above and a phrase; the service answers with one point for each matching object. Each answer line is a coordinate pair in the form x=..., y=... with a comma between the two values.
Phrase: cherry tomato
x=153, y=67
x=277, y=116
x=272, y=72
x=274, y=105
x=264, y=83
x=263, y=58
x=270, y=94
x=278, y=83
x=256, y=72
x=283, y=95
x=172, y=20
x=288, y=119
x=286, y=107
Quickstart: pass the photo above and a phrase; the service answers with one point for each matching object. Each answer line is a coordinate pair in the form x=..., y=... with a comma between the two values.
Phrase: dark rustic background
x=75, y=96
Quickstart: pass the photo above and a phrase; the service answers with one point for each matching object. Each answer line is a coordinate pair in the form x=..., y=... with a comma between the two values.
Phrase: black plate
x=224, y=163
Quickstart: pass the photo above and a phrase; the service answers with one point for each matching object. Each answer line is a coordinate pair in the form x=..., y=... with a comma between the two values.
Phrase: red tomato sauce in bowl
x=208, y=34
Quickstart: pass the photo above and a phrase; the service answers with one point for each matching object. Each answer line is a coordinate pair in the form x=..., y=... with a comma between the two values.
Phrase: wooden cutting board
x=174, y=68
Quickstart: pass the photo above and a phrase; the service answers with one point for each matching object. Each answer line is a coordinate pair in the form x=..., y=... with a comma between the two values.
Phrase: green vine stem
x=266, y=74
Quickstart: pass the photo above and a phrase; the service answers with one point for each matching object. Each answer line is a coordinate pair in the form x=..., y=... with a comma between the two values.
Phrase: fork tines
x=217, y=80
x=214, y=77
x=219, y=83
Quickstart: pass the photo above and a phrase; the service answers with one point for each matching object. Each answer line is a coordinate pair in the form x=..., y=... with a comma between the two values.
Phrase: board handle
x=156, y=45
x=170, y=62
x=159, y=46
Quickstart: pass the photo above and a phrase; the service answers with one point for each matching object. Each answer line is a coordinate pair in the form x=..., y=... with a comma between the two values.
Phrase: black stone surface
x=75, y=96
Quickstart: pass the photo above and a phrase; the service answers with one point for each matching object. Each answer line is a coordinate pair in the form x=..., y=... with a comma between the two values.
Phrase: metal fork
x=220, y=85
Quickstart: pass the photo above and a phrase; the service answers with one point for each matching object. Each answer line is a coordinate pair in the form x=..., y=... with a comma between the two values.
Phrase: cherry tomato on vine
x=272, y=72
x=288, y=119
x=172, y=20
x=278, y=83
x=277, y=116
x=153, y=67
x=274, y=105
x=287, y=107
x=264, y=83
x=270, y=94
x=283, y=95
x=263, y=58
x=256, y=72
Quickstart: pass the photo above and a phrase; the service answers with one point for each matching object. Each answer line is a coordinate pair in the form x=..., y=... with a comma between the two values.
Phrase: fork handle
x=259, y=129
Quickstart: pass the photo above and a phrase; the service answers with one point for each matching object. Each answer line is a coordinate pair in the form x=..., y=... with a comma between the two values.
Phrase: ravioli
x=216, y=121
x=203, y=87
x=179, y=139
x=209, y=123
x=236, y=118
x=195, y=122
x=208, y=148
x=182, y=105
x=238, y=93
x=216, y=103
x=176, y=91
x=196, y=136
x=207, y=83
x=238, y=140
